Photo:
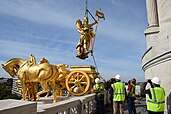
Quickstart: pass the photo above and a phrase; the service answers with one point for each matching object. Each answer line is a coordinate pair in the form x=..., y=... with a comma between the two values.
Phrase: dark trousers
x=150, y=112
x=131, y=106
x=112, y=104
x=100, y=105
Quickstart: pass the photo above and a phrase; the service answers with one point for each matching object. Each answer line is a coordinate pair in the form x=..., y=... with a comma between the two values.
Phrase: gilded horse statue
x=61, y=81
x=27, y=72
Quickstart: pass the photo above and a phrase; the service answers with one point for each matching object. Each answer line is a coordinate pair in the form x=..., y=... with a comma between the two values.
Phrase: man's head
x=134, y=81
x=112, y=80
x=86, y=20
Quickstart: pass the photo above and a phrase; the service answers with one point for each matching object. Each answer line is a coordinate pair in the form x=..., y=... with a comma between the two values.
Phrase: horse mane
x=16, y=59
x=43, y=60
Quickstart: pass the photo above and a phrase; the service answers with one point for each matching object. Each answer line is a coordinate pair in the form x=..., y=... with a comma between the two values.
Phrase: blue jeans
x=131, y=106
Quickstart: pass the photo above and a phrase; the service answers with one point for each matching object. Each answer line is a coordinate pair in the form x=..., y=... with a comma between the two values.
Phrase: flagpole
x=86, y=8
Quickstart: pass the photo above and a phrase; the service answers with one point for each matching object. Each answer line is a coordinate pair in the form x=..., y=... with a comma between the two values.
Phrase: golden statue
x=87, y=34
x=86, y=31
x=29, y=72
x=76, y=81
x=63, y=72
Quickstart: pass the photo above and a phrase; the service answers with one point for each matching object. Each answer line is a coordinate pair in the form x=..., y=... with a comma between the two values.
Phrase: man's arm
x=92, y=24
x=81, y=31
x=146, y=91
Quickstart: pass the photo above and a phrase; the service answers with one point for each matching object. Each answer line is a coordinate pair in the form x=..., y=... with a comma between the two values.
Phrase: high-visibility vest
x=99, y=86
x=118, y=91
x=132, y=92
x=157, y=102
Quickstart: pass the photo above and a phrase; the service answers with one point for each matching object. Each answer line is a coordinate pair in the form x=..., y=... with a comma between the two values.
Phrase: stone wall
x=65, y=105
x=157, y=60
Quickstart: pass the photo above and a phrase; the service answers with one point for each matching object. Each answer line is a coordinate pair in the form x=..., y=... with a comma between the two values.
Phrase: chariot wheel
x=77, y=83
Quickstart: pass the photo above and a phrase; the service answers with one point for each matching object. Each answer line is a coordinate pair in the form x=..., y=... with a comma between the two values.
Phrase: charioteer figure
x=86, y=31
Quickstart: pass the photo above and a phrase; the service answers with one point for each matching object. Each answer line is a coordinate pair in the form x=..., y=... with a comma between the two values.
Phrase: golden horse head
x=43, y=60
x=12, y=66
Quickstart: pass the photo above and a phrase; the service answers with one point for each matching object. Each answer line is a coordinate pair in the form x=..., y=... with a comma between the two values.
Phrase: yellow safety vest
x=118, y=91
x=157, y=102
x=99, y=86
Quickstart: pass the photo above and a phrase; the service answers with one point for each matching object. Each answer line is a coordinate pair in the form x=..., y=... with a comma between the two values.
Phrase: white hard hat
x=117, y=77
x=156, y=80
x=97, y=80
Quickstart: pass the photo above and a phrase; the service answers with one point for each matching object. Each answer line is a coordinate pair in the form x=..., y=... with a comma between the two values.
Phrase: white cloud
x=38, y=12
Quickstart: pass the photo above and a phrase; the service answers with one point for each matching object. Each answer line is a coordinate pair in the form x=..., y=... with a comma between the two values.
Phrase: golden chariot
x=80, y=80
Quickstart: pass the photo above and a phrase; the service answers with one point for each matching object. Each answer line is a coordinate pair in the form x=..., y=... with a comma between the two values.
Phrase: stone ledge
x=11, y=106
x=152, y=30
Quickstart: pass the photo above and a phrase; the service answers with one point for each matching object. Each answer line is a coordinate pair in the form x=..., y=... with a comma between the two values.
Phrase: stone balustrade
x=69, y=105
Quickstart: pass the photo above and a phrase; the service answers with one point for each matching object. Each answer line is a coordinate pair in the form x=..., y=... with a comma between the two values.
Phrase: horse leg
x=23, y=90
x=62, y=84
x=32, y=90
x=35, y=90
x=47, y=94
x=68, y=94
x=61, y=92
x=57, y=92
x=54, y=88
x=45, y=89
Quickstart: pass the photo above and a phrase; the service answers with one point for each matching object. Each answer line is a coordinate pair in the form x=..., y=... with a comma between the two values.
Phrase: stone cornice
x=157, y=60
x=151, y=30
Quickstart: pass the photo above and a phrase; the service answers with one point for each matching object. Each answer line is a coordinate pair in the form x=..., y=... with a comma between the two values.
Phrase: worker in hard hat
x=98, y=88
x=147, y=85
x=112, y=81
x=131, y=96
x=155, y=97
x=119, y=92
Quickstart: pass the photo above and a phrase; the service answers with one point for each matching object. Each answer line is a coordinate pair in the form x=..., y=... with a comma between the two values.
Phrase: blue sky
x=46, y=28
